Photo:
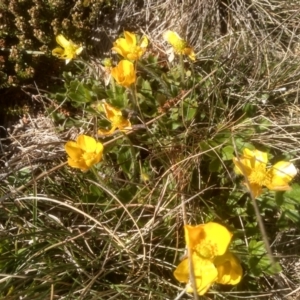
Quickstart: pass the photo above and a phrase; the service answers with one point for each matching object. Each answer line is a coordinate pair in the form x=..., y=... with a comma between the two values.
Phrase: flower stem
x=135, y=165
x=181, y=68
x=113, y=86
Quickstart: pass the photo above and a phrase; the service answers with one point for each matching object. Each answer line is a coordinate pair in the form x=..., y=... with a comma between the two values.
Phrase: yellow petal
x=255, y=157
x=260, y=157
x=62, y=41
x=144, y=42
x=110, y=111
x=190, y=53
x=124, y=73
x=80, y=164
x=78, y=50
x=130, y=38
x=86, y=143
x=209, y=240
x=121, y=47
x=99, y=149
x=106, y=132
x=205, y=273
x=255, y=188
x=182, y=273
x=73, y=150
x=122, y=123
x=242, y=166
x=91, y=159
x=281, y=174
x=172, y=38
x=229, y=269
x=59, y=52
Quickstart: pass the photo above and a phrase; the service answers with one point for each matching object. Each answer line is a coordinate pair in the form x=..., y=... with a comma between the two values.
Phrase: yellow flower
x=68, y=51
x=116, y=119
x=124, y=73
x=84, y=153
x=128, y=47
x=179, y=45
x=211, y=261
x=253, y=165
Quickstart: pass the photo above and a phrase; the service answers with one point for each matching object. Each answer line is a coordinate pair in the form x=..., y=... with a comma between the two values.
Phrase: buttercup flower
x=128, y=47
x=253, y=165
x=124, y=73
x=211, y=260
x=84, y=153
x=116, y=119
x=180, y=46
x=68, y=51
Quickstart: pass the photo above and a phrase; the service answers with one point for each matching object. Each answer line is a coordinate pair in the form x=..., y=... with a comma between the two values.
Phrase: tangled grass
x=70, y=235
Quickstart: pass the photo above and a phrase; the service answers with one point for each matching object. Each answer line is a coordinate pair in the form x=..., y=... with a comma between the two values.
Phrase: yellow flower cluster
x=253, y=165
x=124, y=73
x=128, y=47
x=86, y=151
x=210, y=258
x=209, y=261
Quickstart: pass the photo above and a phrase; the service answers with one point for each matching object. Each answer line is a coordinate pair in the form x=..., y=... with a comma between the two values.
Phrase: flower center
x=206, y=249
x=260, y=176
x=89, y=158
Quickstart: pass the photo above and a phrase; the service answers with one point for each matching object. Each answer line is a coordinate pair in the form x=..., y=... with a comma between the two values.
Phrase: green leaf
x=241, y=144
x=259, y=261
x=279, y=198
x=256, y=247
x=263, y=125
x=294, y=193
x=262, y=264
x=146, y=88
x=118, y=97
x=215, y=165
x=189, y=109
x=95, y=190
x=292, y=215
x=176, y=125
x=125, y=161
x=227, y=152
x=250, y=109
x=80, y=93
x=206, y=146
